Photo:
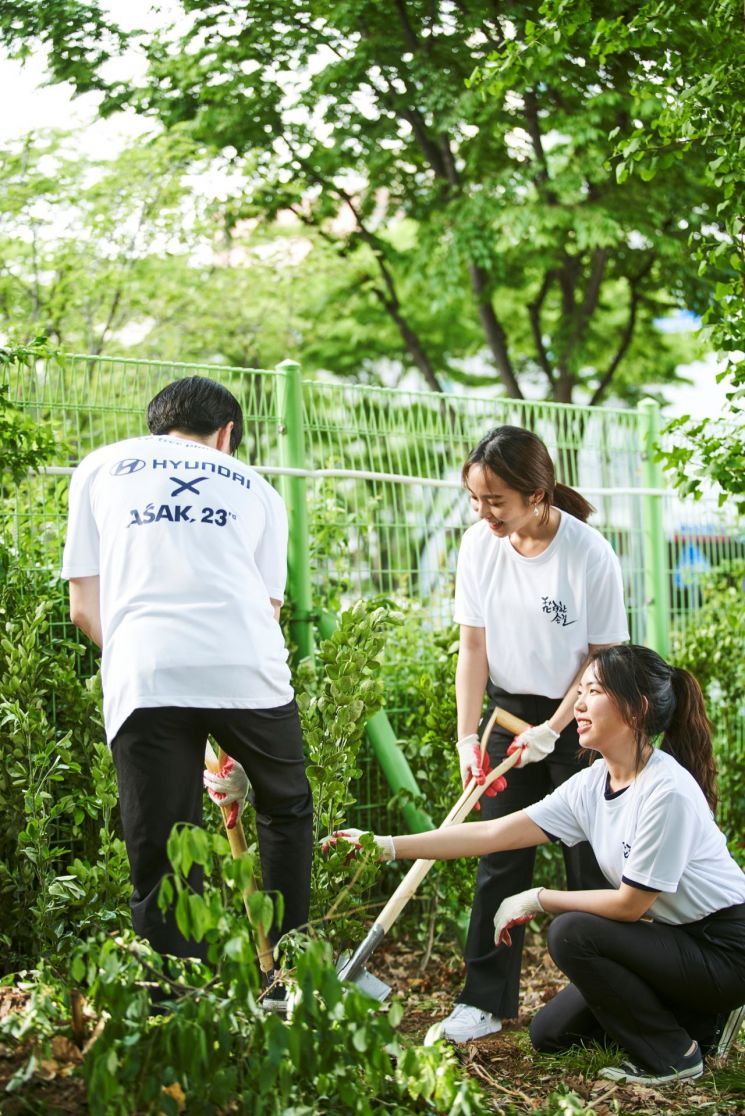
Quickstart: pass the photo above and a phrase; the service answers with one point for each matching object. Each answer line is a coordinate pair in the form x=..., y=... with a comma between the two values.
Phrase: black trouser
x=493, y=972
x=159, y=759
x=650, y=987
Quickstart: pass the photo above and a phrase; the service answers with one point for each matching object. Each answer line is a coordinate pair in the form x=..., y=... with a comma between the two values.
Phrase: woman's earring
x=535, y=509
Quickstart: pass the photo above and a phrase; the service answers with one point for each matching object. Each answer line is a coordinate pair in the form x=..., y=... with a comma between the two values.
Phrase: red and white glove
x=469, y=758
x=481, y=763
x=228, y=787
x=514, y=911
x=536, y=743
x=351, y=837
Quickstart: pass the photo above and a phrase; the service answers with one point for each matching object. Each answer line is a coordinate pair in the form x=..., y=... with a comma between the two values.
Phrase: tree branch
x=390, y=299
x=589, y=303
x=628, y=333
x=410, y=38
x=495, y=335
x=535, y=309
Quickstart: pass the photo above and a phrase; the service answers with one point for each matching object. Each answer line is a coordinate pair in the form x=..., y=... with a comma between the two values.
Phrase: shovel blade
x=366, y=981
x=373, y=986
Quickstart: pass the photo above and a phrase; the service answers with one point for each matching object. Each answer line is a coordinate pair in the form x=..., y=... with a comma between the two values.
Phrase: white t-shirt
x=190, y=545
x=659, y=833
x=542, y=613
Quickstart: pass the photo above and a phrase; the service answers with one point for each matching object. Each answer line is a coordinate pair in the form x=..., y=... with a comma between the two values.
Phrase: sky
x=36, y=105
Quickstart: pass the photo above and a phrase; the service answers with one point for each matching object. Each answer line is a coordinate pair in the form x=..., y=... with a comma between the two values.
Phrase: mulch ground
x=514, y=1080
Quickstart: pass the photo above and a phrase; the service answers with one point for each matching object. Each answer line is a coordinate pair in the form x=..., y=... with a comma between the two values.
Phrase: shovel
x=352, y=967
x=238, y=847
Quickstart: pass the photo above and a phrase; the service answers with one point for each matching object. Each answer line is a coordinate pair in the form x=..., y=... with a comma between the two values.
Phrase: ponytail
x=688, y=736
x=571, y=502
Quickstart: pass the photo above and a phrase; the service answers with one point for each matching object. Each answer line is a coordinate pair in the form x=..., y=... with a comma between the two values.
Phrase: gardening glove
x=352, y=838
x=228, y=787
x=469, y=757
x=536, y=743
x=514, y=911
x=469, y=765
x=499, y=784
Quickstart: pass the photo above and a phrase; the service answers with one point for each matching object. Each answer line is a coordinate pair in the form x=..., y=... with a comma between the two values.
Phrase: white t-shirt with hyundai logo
x=542, y=613
x=190, y=545
x=658, y=834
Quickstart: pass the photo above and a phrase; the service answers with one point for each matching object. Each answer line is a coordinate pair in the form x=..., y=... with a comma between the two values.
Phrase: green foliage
x=335, y=700
x=710, y=647
x=78, y=36
x=705, y=452
x=62, y=868
x=25, y=443
x=213, y=1046
x=687, y=103
x=451, y=223
x=88, y=244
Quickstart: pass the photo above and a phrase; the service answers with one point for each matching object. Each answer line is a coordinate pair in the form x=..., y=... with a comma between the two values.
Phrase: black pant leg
x=159, y=759
x=643, y=981
x=269, y=745
x=565, y=1020
x=493, y=972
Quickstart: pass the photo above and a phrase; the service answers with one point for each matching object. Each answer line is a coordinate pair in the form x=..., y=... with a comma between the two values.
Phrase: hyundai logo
x=127, y=466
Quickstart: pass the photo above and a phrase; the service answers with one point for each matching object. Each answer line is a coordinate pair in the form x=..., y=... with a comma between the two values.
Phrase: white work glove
x=352, y=838
x=228, y=787
x=469, y=758
x=536, y=743
x=514, y=911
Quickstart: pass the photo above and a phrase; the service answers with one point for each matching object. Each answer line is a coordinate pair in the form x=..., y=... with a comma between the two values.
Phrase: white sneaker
x=466, y=1023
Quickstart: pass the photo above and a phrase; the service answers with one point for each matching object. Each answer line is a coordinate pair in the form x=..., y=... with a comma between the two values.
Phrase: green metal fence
x=371, y=480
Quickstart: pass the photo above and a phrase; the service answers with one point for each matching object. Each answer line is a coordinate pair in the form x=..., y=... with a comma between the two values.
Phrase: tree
x=76, y=233
x=694, y=94
x=96, y=255
x=497, y=211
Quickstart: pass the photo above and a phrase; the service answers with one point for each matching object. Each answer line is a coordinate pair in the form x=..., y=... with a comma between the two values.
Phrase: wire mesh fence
x=372, y=479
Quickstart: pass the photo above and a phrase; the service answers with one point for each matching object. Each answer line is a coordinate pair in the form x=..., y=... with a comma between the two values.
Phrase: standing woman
x=537, y=592
x=656, y=961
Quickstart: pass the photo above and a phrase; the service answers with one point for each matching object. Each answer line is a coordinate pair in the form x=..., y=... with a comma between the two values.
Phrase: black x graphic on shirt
x=183, y=486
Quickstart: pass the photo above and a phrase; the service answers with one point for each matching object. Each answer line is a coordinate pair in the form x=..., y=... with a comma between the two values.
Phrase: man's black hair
x=195, y=405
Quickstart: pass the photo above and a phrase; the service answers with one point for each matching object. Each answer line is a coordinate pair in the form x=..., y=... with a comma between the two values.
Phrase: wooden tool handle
x=499, y=717
x=507, y=721
x=238, y=846
x=461, y=810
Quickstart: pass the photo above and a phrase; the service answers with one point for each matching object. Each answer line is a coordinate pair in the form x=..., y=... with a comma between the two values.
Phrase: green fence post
x=292, y=455
x=656, y=594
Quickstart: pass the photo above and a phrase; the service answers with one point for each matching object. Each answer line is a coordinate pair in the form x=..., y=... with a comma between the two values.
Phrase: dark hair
x=195, y=405
x=656, y=699
x=521, y=460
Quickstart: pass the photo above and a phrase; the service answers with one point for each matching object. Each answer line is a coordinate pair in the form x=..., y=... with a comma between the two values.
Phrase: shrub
x=710, y=646
x=212, y=1049
x=62, y=868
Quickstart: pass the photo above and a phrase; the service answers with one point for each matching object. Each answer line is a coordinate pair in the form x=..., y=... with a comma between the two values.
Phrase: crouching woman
x=656, y=963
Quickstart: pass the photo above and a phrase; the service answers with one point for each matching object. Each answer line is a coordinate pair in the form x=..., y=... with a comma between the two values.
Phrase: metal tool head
x=366, y=981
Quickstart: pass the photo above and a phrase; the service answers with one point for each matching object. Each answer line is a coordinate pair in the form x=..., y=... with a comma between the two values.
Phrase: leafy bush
x=63, y=870
x=336, y=699
x=26, y=444
x=211, y=1048
x=710, y=646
